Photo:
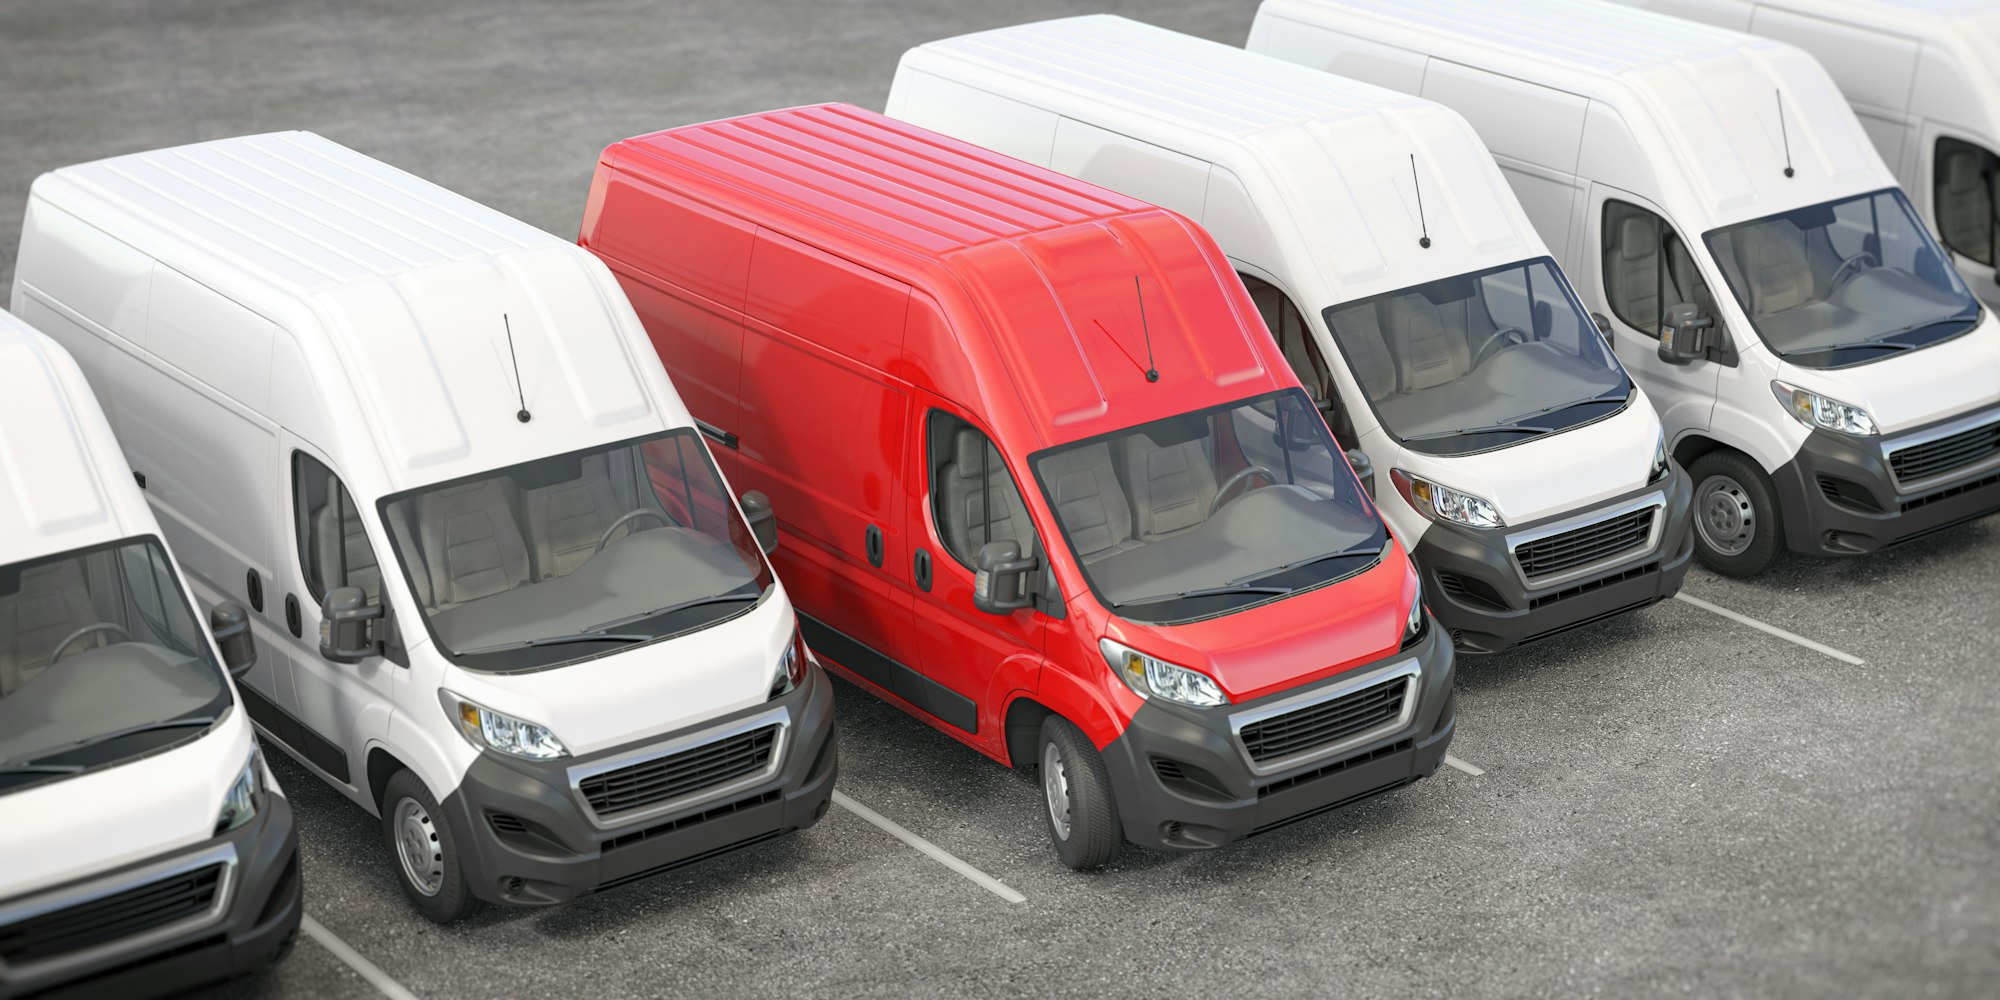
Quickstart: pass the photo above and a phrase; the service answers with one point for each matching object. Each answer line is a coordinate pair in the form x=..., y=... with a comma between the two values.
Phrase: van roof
x=1702, y=98
x=63, y=479
x=1341, y=153
x=1968, y=30
x=1048, y=262
x=394, y=283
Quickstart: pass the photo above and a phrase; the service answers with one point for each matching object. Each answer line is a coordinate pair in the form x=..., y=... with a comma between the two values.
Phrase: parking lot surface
x=1674, y=802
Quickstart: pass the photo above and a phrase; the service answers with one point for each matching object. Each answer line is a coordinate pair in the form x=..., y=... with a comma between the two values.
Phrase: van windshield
x=1843, y=283
x=1480, y=361
x=101, y=661
x=576, y=556
x=1213, y=511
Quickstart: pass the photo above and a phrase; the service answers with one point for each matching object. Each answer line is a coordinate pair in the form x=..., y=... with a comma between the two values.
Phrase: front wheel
x=1737, y=525
x=1081, y=817
x=426, y=852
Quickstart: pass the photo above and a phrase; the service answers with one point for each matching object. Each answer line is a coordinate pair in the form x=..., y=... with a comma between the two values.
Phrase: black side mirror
x=1686, y=334
x=1364, y=469
x=230, y=625
x=763, y=521
x=1603, y=324
x=1002, y=583
x=346, y=633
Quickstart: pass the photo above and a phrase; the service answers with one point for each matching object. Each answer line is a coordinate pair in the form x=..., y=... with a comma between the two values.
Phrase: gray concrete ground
x=1672, y=803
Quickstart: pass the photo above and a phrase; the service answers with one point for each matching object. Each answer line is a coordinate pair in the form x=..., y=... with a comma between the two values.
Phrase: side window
x=1966, y=179
x=333, y=546
x=973, y=497
x=1295, y=340
x=1647, y=268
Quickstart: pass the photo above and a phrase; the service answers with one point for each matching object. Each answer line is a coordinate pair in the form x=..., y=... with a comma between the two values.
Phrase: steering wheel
x=86, y=630
x=629, y=517
x=1513, y=332
x=1852, y=266
x=1241, y=475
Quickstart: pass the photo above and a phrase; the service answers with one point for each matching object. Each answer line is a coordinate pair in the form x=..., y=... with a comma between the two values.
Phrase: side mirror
x=1002, y=583
x=763, y=521
x=345, y=635
x=1364, y=469
x=230, y=625
x=1603, y=324
x=1686, y=335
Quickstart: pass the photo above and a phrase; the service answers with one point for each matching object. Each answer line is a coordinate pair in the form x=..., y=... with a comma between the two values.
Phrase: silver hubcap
x=418, y=846
x=1055, y=788
x=1724, y=516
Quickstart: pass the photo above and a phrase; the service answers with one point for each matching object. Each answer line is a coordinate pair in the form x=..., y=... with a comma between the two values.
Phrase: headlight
x=1659, y=459
x=240, y=805
x=490, y=730
x=1815, y=410
x=1442, y=503
x=791, y=670
x=1149, y=676
x=1414, y=626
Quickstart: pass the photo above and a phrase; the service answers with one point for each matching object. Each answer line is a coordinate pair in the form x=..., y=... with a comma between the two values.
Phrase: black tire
x=1732, y=498
x=1065, y=759
x=448, y=899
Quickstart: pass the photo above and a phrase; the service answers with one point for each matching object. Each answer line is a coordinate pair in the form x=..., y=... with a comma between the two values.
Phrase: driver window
x=1295, y=340
x=333, y=546
x=1966, y=182
x=1647, y=268
x=974, y=499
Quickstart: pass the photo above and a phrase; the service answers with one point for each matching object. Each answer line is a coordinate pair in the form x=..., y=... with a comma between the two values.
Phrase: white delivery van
x=1399, y=276
x=1823, y=372
x=1924, y=78
x=501, y=595
x=144, y=847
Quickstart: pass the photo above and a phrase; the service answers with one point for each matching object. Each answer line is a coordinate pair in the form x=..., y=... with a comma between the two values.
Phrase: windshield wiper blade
x=671, y=608
x=41, y=769
x=1204, y=592
x=1887, y=345
x=1493, y=429
x=119, y=734
x=559, y=640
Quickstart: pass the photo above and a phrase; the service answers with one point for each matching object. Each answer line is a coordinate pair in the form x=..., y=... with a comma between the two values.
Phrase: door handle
x=716, y=434
x=253, y=588
x=923, y=570
x=872, y=545
x=292, y=619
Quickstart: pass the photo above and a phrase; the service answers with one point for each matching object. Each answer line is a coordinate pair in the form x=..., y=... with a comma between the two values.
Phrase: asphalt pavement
x=1672, y=802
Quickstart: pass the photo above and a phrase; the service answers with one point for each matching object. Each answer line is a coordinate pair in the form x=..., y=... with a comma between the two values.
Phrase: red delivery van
x=1048, y=483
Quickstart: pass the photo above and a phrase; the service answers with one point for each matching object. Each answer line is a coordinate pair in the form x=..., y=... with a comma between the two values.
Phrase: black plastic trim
x=890, y=675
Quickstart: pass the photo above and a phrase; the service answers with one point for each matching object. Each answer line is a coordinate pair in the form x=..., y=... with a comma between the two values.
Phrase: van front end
x=1188, y=778
x=1843, y=495
x=543, y=832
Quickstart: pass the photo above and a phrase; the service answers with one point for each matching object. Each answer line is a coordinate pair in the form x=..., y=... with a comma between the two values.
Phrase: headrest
x=968, y=456
x=1637, y=239
x=1961, y=172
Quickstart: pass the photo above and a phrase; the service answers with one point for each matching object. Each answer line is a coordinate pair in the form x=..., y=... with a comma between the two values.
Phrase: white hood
x=1557, y=473
x=1917, y=387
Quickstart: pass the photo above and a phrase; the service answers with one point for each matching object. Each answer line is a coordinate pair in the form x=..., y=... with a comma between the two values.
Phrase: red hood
x=1292, y=641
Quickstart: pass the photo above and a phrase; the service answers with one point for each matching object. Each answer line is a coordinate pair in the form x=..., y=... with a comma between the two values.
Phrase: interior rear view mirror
x=1002, y=583
x=230, y=625
x=1364, y=469
x=763, y=521
x=346, y=634
x=1686, y=334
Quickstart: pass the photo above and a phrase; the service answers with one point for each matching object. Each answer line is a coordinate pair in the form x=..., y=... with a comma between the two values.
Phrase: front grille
x=1327, y=770
x=1583, y=546
x=663, y=779
x=1947, y=493
x=1331, y=721
x=1934, y=458
x=111, y=918
x=1635, y=573
x=625, y=840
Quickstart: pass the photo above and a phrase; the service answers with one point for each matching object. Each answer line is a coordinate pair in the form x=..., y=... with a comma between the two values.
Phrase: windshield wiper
x=1493, y=429
x=1572, y=404
x=41, y=769
x=671, y=608
x=1887, y=345
x=1203, y=592
x=119, y=734
x=558, y=640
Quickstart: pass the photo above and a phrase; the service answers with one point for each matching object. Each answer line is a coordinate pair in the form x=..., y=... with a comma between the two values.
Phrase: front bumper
x=1839, y=496
x=257, y=920
x=1472, y=584
x=527, y=840
x=1182, y=781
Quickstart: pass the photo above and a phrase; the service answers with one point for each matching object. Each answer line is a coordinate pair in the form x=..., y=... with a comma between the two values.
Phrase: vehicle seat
x=352, y=541
x=565, y=520
x=972, y=517
x=1171, y=486
x=1635, y=270
x=52, y=603
x=1359, y=330
x=1429, y=351
x=1966, y=203
x=1088, y=500
x=1771, y=257
x=471, y=542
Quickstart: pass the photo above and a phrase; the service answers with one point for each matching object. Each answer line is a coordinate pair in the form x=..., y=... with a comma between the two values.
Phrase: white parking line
x=937, y=854
x=1773, y=630
x=1463, y=766
x=361, y=966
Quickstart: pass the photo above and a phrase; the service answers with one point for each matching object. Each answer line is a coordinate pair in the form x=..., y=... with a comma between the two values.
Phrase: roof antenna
x=1783, y=134
x=523, y=416
x=1424, y=240
x=1152, y=371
